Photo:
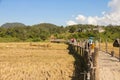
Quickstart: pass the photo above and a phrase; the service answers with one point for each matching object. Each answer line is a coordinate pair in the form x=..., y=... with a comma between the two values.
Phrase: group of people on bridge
x=87, y=44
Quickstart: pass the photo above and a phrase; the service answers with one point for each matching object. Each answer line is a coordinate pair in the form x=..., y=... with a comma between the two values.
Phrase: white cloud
x=92, y=20
x=114, y=5
x=71, y=22
x=81, y=18
x=111, y=17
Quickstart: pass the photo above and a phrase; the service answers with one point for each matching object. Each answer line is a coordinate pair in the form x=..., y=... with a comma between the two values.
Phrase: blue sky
x=58, y=12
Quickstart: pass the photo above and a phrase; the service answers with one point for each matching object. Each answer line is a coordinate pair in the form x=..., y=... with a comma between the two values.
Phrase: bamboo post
x=119, y=49
x=95, y=64
x=77, y=49
x=80, y=51
x=99, y=44
x=106, y=46
x=95, y=56
x=73, y=48
x=112, y=53
x=119, y=54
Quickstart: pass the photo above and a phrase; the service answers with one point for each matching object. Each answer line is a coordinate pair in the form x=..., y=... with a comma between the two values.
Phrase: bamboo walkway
x=108, y=67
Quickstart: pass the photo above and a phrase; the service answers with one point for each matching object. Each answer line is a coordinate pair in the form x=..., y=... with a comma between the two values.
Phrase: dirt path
x=109, y=67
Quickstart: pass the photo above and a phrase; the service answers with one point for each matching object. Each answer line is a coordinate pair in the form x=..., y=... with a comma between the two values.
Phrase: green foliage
x=72, y=29
x=42, y=32
x=9, y=25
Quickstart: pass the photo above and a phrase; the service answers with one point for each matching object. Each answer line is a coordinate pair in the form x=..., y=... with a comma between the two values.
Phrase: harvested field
x=110, y=48
x=35, y=61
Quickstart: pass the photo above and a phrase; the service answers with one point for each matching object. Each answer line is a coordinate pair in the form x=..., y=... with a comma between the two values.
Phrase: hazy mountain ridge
x=15, y=24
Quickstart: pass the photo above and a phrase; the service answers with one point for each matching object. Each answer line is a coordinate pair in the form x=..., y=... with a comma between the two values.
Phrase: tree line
x=43, y=32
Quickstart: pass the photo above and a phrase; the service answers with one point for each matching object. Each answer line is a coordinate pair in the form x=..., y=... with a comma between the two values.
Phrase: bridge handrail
x=90, y=60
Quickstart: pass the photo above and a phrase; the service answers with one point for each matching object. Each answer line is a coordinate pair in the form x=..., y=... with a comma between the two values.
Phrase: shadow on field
x=78, y=64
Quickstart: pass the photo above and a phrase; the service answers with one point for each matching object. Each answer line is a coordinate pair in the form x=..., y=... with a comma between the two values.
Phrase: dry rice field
x=110, y=48
x=35, y=61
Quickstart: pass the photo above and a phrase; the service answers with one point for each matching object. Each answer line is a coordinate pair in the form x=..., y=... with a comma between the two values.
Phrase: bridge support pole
x=95, y=64
x=119, y=50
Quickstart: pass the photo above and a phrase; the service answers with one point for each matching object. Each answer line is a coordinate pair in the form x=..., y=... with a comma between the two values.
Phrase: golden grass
x=22, y=61
x=110, y=48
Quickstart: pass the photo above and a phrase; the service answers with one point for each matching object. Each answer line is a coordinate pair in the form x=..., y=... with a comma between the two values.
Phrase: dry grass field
x=110, y=48
x=35, y=61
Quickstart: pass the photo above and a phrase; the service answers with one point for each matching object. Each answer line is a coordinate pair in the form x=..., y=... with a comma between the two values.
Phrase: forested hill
x=8, y=25
x=38, y=32
x=44, y=31
x=52, y=28
x=45, y=25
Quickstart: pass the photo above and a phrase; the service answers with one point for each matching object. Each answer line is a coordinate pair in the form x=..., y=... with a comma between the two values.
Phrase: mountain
x=16, y=24
x=46, y=26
